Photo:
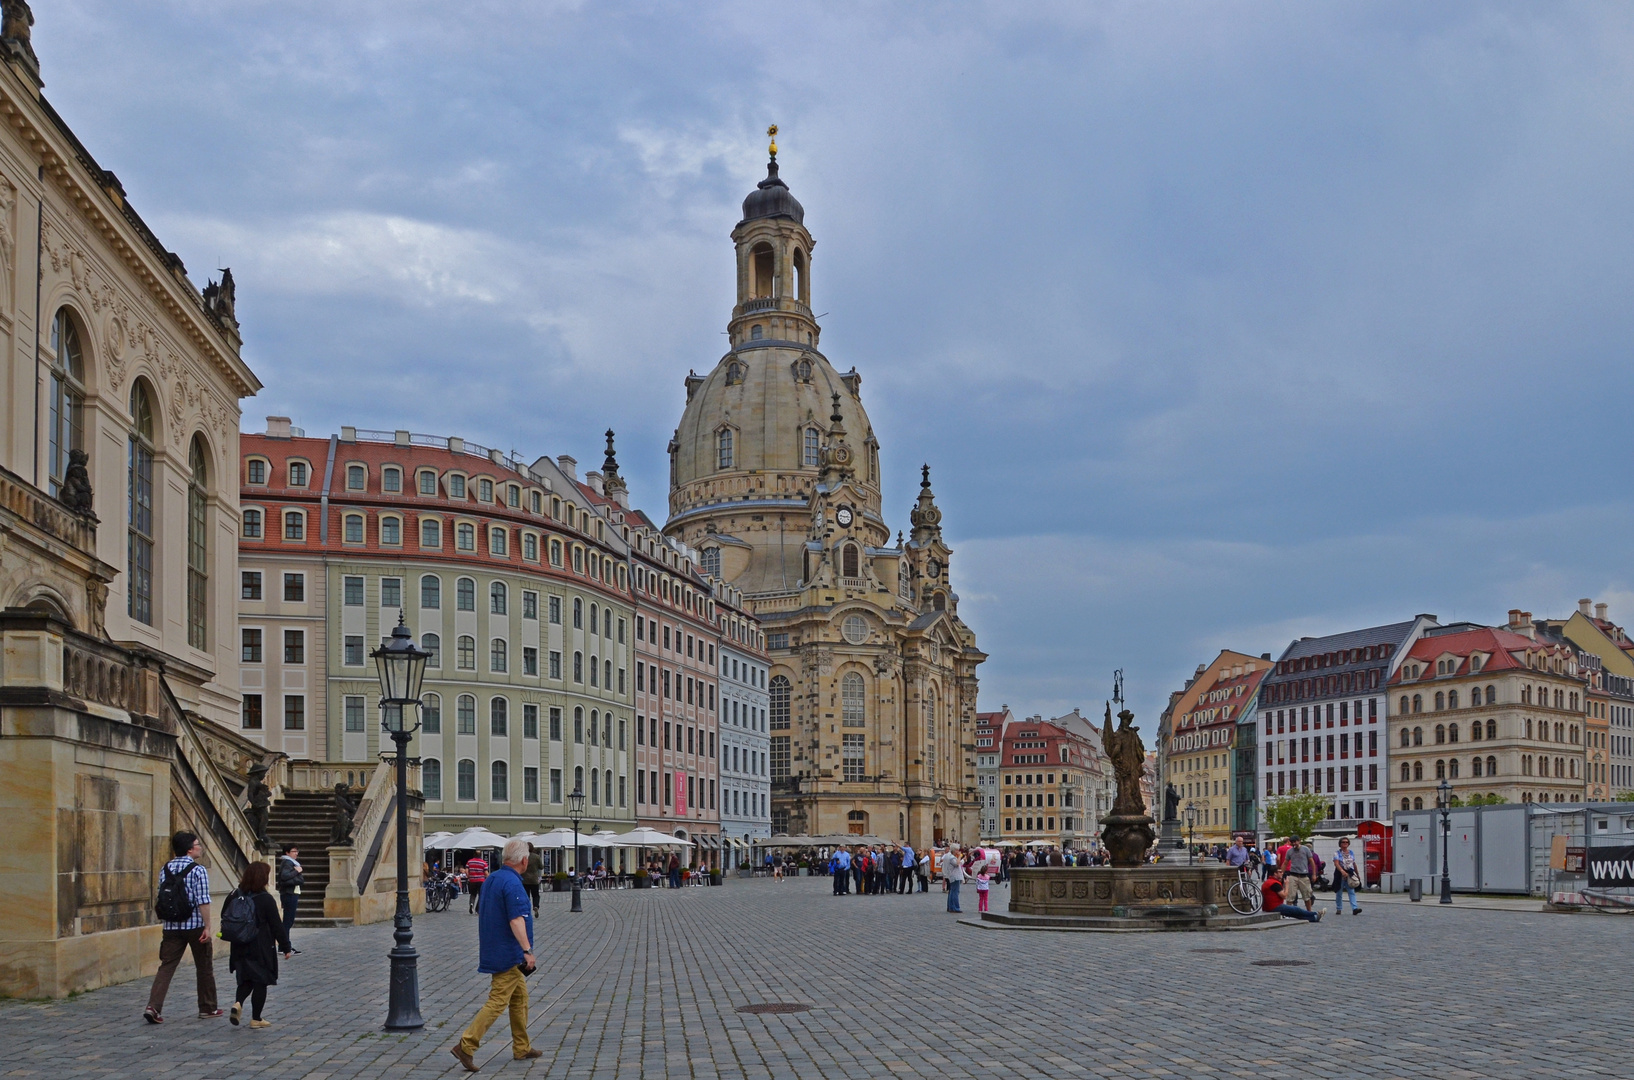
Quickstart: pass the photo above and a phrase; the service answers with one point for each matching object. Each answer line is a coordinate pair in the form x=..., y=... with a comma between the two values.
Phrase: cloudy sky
x=1219, y=324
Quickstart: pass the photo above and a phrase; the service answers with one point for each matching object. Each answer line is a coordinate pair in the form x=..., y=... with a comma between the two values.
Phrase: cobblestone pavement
x=647, y=984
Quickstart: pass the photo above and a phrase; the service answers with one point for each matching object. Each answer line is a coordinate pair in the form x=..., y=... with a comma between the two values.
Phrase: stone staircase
x=304, y=818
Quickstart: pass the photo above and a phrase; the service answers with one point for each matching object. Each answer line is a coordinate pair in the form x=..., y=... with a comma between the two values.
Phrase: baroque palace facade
x=775, y=482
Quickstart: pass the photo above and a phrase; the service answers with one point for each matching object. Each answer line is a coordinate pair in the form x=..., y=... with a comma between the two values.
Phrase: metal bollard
x=1415, y=889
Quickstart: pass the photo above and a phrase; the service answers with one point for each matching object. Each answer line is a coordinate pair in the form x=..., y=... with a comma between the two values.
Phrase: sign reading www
x=1611, y=867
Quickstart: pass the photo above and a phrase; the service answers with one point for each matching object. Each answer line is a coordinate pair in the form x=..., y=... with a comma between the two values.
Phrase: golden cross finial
x=771, y=133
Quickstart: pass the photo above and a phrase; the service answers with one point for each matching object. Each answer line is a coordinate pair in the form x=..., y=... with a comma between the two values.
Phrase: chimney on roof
x=1514, y=619
x=1584, y=605
x=569, y=465
x=1600, y=612
x=594, y=480
x=1265, y=656
x=278, y=427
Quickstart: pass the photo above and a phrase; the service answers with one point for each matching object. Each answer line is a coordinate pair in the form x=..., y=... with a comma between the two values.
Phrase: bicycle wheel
x=1244, y=899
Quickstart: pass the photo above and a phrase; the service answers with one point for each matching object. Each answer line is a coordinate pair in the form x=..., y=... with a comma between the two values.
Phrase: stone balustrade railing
x=307, y=775
x=45, y=513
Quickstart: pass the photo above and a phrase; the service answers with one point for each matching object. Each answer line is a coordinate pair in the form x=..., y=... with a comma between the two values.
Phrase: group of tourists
x=1291, y=871
x=251, y=923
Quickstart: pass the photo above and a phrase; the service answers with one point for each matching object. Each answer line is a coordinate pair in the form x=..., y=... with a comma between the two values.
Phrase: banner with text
x=1611, y=867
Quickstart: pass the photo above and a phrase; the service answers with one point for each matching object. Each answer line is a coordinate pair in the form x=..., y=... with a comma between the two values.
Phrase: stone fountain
x=1131, y=894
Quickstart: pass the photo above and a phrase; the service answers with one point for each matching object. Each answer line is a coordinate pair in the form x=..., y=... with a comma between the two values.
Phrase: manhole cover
x=1280, y=963
x=1217, y=950
x=775, y=1007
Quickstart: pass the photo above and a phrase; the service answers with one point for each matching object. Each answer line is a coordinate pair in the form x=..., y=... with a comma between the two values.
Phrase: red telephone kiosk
x=1378, y=851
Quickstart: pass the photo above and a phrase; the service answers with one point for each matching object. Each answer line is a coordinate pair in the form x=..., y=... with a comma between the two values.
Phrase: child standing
x=983, y=880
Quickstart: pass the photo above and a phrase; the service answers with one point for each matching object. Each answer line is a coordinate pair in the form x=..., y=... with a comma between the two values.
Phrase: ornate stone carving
x=345, y=809
x=76, y=485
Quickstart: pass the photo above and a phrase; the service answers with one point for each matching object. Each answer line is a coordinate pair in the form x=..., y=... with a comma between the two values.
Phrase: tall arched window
x=1491, y=765
x=1452, y=699
x=465, y=715
x=1492, y=729
x=578, y=779
x=1440, y=734
x=496, y=598
x=431, y=714
x=848, y=561
x=431, y=591
x=709, y=561
x=853, y=703
x=778, y=693
x=139, y=543
x=1406, y=739
x=1492, y=695
x=198, y=545
x=431, y=779
x=499, y=782
x=723, y=447
x=1440, y=700
x=499, y=717
x=1418, y=770
x=1441, y=770
x=467, y=658
x=1406, y=772
x=465, y=594
x=496, y=655
x=467, y=781
x=1452, y=732
x=1452, y=769
x=67, y=396
x=810, y=458
x=1475, y=766
x=1418, y=736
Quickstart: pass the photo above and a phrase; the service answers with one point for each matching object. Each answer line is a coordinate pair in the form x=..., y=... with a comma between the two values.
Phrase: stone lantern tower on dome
x=775, y=481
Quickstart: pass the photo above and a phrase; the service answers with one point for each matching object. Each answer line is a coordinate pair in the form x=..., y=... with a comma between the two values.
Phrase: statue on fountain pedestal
x=1128, y=832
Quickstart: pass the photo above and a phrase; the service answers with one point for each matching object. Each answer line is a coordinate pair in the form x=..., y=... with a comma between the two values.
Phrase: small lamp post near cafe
x=402, y=667
x=575, y=811
x=1443, y=802
x=1191, y=833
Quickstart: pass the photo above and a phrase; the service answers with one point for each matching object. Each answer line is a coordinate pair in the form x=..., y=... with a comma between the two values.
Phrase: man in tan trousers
x=505, y=936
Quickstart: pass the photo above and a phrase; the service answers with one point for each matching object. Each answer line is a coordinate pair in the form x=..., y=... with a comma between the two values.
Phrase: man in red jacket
x=476, y=872
x=1271, y=897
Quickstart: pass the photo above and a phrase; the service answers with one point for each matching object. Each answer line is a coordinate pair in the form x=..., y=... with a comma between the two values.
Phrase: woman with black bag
x=255, y=962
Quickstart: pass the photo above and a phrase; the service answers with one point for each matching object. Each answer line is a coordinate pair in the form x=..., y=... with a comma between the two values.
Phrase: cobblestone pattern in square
x=648, y=983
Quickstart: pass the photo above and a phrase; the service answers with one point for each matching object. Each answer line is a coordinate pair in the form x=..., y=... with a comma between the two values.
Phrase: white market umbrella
x=646, y=836
x=430, y=842
x=557, y=838
x=473, y=839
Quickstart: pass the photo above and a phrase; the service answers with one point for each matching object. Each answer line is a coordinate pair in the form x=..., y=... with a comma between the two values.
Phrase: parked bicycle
x=439, y=894
x=1244, y=895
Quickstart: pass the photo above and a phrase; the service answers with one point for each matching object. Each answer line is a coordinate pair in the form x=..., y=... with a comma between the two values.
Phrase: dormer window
x=391, y=479
x=805, y=371
x=734, y=373
x=456, y=486
x=357, y=477
x=297, y=474
x=723, y=448
x=812, y=448
x=485, y=490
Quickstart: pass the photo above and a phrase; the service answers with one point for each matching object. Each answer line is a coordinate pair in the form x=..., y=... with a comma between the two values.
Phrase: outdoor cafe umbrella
x=473, y=839
x=430, y=841
x=645, y=836
x=556, y=838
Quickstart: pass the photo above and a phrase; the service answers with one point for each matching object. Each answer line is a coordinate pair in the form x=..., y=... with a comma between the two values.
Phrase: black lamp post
x=401, y=667
x=575, y=811
x=1191, y=833
x=1443, y=801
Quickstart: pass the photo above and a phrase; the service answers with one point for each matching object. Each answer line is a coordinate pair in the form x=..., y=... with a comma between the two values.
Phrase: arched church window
x=939, y=602
x=723, y=447
x=854, y=629
x=762, y=267
x=67, y=396
x=756, y=332
x=802, y=287
x=139, y=539
x=853, y=709
x=778, y=708
x=848, y=561
x=805, y=371
x=734, y=373
x=198, y=544
x=709, y=560
x=811, y=445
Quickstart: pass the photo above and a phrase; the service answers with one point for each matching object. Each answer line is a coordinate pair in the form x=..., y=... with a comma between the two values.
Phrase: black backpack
x=238, y=923
x=173, y=904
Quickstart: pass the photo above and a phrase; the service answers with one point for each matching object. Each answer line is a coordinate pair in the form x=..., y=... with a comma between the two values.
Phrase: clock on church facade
x=775, y=479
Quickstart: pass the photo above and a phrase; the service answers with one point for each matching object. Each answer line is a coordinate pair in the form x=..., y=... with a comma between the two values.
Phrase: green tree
x=1481, y=800
x=1296, y=815
x=1627, y=796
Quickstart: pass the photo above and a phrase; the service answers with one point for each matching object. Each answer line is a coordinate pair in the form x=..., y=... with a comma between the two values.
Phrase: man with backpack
x=183, y=904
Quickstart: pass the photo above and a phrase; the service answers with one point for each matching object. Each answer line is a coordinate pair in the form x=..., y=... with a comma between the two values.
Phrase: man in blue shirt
x=505, y=934
x=904, y=882
x=842, y=872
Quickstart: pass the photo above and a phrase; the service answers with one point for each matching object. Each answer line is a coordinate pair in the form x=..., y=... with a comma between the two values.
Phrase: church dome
x=772, y=199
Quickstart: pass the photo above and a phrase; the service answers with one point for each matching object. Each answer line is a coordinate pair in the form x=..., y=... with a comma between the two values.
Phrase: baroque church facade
x=775, y=481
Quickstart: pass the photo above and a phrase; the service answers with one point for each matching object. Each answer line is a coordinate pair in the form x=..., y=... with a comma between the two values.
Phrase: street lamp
x=401, y=667
x=575, y=811
x=1443, y=801
x=1191, y=833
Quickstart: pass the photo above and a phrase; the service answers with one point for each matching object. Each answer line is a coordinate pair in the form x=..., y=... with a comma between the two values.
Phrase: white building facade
x=746, y=790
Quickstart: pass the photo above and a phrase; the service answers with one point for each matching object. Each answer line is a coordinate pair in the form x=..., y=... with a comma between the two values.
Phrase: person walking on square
x=674, y=871
x=530, y=876
x=256, y=962
x=184, y=906
x=953, y=873
x=476, y=872
x=290, y=880
x=983, y=885
x=1296, y=869
x=1346, y=877
x=505, y=939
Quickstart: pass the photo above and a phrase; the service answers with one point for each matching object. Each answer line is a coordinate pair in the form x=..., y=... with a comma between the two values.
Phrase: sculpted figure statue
x=1128, y=756
x=260, y=797
x=1171, y=803
x=345, y=808
x=76, y=484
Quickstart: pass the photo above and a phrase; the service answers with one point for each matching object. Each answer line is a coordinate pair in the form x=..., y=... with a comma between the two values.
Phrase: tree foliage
x=1480, y=800
x=1296, y=815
